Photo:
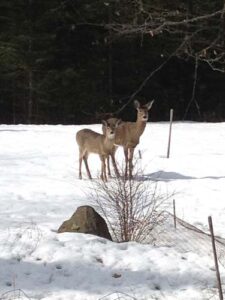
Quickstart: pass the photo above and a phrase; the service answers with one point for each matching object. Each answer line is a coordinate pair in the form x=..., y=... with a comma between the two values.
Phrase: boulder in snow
x=86, y=220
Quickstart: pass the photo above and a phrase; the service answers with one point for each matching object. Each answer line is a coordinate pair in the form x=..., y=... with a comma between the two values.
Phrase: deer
x=90, y=141
x=112, y=122
x=128, y=135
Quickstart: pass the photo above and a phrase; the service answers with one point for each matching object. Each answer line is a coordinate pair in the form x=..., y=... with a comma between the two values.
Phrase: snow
x=39, y=189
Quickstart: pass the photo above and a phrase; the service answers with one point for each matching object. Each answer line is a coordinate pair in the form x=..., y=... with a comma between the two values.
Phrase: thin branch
x=193, y=90
x=123, y=29
x=131, y=98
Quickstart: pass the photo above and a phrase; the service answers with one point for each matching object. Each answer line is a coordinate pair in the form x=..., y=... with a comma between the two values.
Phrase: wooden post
x=215, y=258
x=139, y=152
x=174, y=214
x=170, y=131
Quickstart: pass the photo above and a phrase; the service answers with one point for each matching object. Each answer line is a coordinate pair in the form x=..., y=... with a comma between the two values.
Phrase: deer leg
x=80, y=163
x=108, y=166
x=130, y=161
x=103, y=169
x=115, y=165
x=87, y=167
x=126, y=161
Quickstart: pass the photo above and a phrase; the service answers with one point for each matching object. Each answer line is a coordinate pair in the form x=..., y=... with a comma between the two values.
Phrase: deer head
x=110, y=127
x=142, y=110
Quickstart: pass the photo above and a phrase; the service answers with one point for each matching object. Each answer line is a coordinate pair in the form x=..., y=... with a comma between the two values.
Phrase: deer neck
x=108, y=143
x=140, y=127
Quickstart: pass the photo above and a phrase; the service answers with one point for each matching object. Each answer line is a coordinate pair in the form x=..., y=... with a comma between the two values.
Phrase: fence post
x=139, y=153
x=215, y=258
x=170, y=131
x=174, y=214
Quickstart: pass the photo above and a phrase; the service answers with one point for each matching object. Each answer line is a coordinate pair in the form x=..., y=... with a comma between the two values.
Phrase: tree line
x=73, y=62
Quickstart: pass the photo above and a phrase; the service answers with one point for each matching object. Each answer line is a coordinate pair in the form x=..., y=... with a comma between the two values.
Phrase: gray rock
x=86, y=220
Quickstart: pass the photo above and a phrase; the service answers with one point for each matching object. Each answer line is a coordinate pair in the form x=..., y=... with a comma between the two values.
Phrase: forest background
x=78, y=61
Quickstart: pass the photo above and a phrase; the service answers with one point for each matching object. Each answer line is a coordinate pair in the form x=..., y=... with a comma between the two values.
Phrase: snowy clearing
x=39, y=189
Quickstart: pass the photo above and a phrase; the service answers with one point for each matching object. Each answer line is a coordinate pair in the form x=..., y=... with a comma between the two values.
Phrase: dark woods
x=73, y=61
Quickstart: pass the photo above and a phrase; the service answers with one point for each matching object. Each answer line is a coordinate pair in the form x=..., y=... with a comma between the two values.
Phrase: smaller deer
x=90, y=141
x=112, y=122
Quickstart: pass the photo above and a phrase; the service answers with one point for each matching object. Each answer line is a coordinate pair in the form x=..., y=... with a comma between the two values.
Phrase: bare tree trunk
x=110, y=56
x=30, y=72
x=223, y=25
x=30, y=97
x=14, y=102
x=110, y=68
x=190, y=7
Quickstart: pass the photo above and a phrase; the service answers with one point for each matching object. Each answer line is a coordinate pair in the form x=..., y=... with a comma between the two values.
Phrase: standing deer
x=112, y=122
x=128, y=135
x=90, y=141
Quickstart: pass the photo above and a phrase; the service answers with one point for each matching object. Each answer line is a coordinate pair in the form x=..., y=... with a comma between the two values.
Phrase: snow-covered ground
x=39, y=189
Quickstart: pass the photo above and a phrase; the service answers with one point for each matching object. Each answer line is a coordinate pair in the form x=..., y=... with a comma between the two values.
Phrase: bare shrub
x=117, y=296
x=15, y=294
x=132, y=208
x=23, y=240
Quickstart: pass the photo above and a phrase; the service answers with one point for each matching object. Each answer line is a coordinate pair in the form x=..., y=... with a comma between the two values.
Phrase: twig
x=193, y=90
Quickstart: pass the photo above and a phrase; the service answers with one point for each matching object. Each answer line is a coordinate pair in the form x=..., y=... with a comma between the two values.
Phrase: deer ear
x=149, y=104
x=104, y=123
x=118, y=122
x=136, y=104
